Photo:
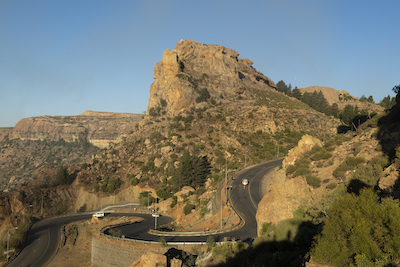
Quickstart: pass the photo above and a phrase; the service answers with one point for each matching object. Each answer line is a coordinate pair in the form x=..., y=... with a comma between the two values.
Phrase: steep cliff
x=98, y=128
x=185, y=71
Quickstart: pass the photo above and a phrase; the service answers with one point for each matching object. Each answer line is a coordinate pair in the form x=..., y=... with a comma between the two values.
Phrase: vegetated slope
x=342, y=98
x=48, y=141
x=231, y=113
x=22, y=160
x=349, y=179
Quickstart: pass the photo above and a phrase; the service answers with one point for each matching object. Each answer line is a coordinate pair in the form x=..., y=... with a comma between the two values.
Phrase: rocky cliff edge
x=192, y=66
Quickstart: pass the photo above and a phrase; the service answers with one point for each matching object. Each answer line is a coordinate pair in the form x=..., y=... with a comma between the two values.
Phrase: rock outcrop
x=284, y=196
x=342, y=98
x=306, y=143
x=98, y=128
x=281, y=200
x=192, y=66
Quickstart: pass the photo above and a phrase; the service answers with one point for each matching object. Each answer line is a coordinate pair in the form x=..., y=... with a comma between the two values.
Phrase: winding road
x=44, y=236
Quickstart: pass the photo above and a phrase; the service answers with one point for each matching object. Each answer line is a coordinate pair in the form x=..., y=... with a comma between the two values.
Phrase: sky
x=62, y=57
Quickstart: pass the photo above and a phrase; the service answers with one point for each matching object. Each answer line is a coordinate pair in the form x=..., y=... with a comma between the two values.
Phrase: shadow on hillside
x=294, y=251
x=355, y=123
x=355, y=186
x=389, y=131
x=186, y=258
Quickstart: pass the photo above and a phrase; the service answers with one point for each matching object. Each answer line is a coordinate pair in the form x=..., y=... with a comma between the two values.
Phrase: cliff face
x=193, y=66
x=98, y=128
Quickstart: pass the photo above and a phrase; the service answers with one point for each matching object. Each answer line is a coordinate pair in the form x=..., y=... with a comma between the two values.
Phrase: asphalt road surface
x=44, y=236
x=244, y=199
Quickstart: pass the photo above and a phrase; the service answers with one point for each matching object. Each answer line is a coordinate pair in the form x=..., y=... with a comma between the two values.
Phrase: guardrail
x=161, y=242
x=168, y=233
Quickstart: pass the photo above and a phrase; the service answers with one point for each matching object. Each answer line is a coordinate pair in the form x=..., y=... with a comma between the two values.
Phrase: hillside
x=342, y=98
x=205, y=102
x=49, y=141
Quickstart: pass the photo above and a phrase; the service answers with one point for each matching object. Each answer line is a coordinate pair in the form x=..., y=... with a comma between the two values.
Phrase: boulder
x=281, y=200
x=306, y=143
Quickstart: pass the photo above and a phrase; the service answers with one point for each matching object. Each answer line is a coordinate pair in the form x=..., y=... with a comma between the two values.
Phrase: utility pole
x=41, y=211
x=8, y=239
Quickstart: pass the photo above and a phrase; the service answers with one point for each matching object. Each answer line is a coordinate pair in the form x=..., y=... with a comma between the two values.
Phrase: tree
x=371, y=99
x=396, y=89
x=192, y=170
x=296, y=93
x=362, y=230
x=62, y=176
x=363, y=98
x=282, y=87
x=388, y=102
x=348, y=113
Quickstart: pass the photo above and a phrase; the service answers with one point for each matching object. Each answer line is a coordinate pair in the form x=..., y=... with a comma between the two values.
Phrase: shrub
x=228, y=250
x=145, y=198
x=164, y=192
x=114, y=232
x=134, y=181
x=210, y=242
x=362, y=230
x=349, y=164
x=322, y=153
x=163, y=103
x=188, y=208
x=331, y=186
x=313, y=180
x=174, y=201
x=204, y=95
x=204, y=211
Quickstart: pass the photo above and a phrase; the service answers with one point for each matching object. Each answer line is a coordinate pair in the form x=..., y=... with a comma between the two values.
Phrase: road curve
x=44, y=236
x=244, y=199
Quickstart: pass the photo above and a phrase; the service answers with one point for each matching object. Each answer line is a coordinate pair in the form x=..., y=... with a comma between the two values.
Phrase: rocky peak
x=192, y=66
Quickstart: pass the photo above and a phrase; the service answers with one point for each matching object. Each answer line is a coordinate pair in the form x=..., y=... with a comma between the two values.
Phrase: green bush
x=145, y=198
x=174, y=201
x=204, y=95
x=134, y=181
x=164, y=192
x=187, y=209
x=368, y=174
x=362, y=230
x=228, y=250
x=350, y=163
x=322, y=153
x=331, y=186
x=313, y=180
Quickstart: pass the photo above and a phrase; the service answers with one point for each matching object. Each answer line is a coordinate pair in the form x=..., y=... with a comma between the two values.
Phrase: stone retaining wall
x=107, y=253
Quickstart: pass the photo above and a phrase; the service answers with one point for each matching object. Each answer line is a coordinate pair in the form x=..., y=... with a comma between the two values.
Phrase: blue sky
x=65, y=57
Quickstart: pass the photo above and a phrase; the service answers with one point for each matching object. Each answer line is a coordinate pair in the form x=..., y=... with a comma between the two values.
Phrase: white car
x=245, y=182
x=98, y=214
